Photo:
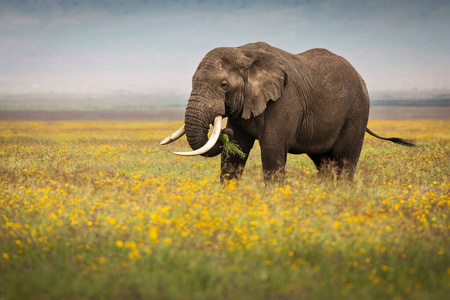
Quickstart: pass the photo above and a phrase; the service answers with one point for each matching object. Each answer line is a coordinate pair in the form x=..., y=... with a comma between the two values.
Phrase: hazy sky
x=107, y=46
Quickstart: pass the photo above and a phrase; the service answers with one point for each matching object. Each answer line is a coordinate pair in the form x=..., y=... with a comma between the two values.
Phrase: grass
x=98, y=210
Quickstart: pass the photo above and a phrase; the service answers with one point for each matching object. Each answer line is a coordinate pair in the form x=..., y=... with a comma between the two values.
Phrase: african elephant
x=314, y=102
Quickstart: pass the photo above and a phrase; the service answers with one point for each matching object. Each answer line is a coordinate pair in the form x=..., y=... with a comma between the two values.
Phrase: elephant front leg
x=274, y=162
x=232, y=166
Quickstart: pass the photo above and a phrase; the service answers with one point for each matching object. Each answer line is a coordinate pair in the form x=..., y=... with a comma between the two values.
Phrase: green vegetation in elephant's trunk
x=230, y=147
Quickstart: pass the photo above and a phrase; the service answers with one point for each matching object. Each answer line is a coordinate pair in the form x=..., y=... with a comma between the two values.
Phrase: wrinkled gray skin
x=314, y=102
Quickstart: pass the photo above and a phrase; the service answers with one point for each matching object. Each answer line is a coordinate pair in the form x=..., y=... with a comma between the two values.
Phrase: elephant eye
x=224, y=84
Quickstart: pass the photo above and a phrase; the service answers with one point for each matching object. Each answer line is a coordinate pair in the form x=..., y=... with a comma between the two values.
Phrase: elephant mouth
x=217, y=126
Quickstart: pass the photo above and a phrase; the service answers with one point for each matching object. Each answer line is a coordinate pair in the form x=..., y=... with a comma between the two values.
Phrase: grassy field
x=98, y=210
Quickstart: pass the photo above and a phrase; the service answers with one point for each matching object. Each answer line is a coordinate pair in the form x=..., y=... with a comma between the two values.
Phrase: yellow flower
x=154, y=235
x=111, y=220
x=336, y=224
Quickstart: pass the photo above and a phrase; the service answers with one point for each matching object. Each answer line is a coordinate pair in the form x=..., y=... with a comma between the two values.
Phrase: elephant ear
x=264, y=81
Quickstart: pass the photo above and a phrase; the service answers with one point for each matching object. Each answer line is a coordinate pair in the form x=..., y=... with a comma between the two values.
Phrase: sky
x=153, y=47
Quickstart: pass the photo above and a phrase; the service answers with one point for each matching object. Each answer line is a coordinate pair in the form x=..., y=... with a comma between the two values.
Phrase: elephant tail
x=393, y=139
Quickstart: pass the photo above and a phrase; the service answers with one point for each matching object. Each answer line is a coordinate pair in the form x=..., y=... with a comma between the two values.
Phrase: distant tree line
x=421, y=103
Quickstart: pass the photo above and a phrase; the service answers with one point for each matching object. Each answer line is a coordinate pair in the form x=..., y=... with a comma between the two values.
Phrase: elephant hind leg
x=320, y=160
x=343, y=157
x=326, y=163
x=332, y=165
x=347, y=149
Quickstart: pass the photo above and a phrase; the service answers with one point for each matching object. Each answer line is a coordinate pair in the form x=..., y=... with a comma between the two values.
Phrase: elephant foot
x=274, y=177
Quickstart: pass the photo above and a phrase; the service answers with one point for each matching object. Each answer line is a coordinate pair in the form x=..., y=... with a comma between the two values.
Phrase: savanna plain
x=99, y=210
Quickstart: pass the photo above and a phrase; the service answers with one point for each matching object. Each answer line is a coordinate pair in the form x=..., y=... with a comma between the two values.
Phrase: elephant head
x=229, y=82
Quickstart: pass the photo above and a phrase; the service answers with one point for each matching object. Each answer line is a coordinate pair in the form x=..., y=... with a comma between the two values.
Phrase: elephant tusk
x=174, y=136
x=211, y=142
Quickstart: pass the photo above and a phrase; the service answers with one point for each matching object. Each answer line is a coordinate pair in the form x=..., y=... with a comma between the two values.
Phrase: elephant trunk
x=197, y=127
x=198, y=117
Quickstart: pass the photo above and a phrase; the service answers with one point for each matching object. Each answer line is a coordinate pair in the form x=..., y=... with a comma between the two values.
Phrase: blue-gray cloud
x=100, y=46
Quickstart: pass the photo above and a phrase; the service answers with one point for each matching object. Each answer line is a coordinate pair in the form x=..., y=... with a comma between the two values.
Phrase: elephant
x=312, y=103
